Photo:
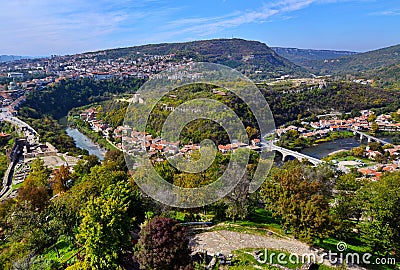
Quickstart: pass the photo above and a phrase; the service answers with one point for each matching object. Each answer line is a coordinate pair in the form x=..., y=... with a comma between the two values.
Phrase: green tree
x=374, y=128
x=240, y=203
x=348, y=207
x=348, y=182
x=163, y=244
x=382, y=209
x=376, y=146
x=6, y=208
x=105, y=228
x=84, y=165
x=116, y=160
x=38, y=175
x=372, y=118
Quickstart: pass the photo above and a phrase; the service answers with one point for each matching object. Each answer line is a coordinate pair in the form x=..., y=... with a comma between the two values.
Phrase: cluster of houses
x=11, y=98
x=45, y=72
x=323, y=127
x=363, y=81
x=136, y=142
x=255, y=145
x=141, y=142
x=96, y=65
x=156, y=147
x=90, y=116
x=376, y=171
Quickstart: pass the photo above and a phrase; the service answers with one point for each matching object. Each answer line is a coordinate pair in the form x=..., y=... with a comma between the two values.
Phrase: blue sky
x=45, y=27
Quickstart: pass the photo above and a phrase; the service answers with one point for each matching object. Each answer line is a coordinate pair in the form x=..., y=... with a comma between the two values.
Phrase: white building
x=15, y=75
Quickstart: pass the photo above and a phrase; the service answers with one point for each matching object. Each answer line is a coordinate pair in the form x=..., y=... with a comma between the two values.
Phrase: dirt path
x=227, y=241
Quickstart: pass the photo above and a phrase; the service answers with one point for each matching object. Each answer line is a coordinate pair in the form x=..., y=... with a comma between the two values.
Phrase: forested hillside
x=304, y=57
x=359, y=62
x=243, y=55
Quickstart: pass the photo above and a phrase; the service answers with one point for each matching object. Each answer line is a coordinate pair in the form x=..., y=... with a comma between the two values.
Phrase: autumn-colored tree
x=252, y=133
x=60, y=180
x=163, y=244
x=35, y=188
x=358, y=151
x=299, y=195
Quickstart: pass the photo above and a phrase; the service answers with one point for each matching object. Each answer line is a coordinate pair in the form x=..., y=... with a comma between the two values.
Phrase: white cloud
x=66, y=26
x=395, y=12
x=69, y=26
x=204, y=26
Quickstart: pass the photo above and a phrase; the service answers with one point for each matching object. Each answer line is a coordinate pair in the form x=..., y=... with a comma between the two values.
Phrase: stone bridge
x=286, y=152
x=368, y=137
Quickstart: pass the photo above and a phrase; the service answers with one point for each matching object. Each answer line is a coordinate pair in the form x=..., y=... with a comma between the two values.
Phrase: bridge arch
x=288, y=157
x=289, y=153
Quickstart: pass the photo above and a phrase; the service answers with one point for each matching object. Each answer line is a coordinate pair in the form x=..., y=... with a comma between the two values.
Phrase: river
x=82, y=141
x=324, y=149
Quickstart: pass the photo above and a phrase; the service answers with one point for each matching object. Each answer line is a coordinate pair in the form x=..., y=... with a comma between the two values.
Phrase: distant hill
x=243, y=55
x=9, y=58
x=354, y=64
x=304, y=57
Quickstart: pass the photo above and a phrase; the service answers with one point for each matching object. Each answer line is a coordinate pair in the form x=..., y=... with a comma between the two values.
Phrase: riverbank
x=94, y=136
x=84, y=142
x=325, y=149
x=340, y=141
x=335, y=135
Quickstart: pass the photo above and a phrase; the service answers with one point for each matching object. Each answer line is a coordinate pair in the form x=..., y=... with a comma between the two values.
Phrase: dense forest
x=286, y=103
x=59, y=99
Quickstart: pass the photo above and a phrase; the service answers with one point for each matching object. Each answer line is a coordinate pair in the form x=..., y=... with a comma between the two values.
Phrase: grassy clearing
x=259, y=223
x=334, y=136
x=56, y=256
x=345, y=156
x=261, y=219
